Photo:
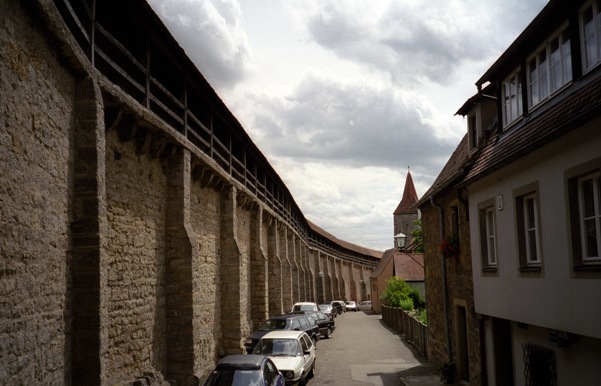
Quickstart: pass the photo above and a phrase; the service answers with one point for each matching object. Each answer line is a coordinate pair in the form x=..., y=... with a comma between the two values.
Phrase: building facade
x=532, y=189
x=453, y=326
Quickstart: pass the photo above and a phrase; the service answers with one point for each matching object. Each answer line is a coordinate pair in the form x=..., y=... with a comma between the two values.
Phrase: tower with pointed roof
x=405, y=213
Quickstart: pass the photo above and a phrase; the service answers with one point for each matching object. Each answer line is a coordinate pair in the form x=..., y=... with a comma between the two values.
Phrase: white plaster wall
x=554, y=300
x=577, y=364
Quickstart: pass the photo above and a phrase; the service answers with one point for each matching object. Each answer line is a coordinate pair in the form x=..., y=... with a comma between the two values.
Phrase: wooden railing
x=129, y=45
x=414, y=331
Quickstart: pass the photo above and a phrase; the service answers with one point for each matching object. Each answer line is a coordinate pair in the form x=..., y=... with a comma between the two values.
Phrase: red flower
x=450, y=247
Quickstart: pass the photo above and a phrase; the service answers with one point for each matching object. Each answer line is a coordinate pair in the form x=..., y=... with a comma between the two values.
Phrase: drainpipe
x=445, y=294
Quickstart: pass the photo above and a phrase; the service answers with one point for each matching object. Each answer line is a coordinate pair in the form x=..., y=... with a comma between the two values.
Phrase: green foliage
x=418, y=237
x=418, y=301
x=399, y=294
x=420, y=315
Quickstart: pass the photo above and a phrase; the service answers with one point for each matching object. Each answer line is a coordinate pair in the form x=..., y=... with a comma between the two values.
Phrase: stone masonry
x=128, y=256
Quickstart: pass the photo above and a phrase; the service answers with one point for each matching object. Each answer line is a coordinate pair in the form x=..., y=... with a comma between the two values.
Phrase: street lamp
x=399, y=241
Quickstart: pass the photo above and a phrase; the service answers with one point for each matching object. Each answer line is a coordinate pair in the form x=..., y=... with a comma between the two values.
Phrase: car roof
x=241, y=361
x=280, y=334
x=286, y=316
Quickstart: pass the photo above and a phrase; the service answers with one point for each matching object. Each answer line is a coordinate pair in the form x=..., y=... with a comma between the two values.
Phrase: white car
x=293, y=353
x=304, y=306
x=365, y=305
x=351, y=306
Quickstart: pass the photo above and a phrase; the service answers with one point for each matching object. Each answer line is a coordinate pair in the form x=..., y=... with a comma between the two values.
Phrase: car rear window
x=274, y=324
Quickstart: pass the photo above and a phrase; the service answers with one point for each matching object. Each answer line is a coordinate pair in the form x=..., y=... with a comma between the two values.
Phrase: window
x=512, y=98
x=589, y=200
x=454, y=218
x=472, y=129
x=269, y=373
x=539, y=365
x=490, y=236
x=584, y=203
x=528, y=229
x=488, y=243
x=590, y=21
x=549, y=68
x=296, y=324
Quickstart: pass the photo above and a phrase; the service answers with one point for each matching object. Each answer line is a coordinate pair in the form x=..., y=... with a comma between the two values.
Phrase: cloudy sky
x=343, y=96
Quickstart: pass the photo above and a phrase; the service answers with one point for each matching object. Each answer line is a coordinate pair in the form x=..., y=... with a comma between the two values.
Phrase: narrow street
x=363, y=351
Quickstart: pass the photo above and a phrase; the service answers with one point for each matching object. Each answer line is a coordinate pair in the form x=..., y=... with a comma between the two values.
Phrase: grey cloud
x=210, y=32
x=349, y=124
x=423, y=41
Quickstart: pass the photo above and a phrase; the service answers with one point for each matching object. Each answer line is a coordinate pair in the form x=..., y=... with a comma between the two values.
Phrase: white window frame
x=542, y=80
x=591, y=36
x=595, y=217
x=531, y=229
x=512, y=98
x=491, y=246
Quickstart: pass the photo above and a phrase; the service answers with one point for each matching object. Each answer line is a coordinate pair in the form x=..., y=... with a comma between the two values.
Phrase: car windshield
x=278, y=347
x=235, y=378
x=325, y=307
x=273, y=324
x=303, y=307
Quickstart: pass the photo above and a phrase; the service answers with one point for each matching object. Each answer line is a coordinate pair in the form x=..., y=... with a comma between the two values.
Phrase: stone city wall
x=36, y=157
x=127, y=255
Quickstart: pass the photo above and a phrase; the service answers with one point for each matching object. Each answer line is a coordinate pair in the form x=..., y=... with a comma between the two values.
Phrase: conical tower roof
x=409, y=198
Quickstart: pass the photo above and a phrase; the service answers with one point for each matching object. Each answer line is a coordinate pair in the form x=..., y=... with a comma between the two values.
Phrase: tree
x=418, y=237
x=399, y=294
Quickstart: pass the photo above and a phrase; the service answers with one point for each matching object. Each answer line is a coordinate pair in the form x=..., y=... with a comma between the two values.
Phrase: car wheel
x=328, y=333
x=312, y=371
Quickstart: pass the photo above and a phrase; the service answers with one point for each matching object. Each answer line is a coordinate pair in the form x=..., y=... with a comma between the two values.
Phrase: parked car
x=293, y=353
x=327, y=309
x=326, y=324
x=243, y=370
x=286, y=322
x=304, y=306
x=339, y=305
x=365, y=305
x=351, y=306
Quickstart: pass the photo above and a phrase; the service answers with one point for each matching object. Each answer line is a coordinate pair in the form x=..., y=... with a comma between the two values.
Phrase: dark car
x=327, y=309
x=325, y=323
x=292, y=322
x=339, y=305
x=243, y=370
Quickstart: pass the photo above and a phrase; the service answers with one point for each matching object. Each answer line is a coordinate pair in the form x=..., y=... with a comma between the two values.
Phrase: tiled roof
x=407, y=265
x=383, y=263
x=409, y=198
x=560, y=115
x=345, y=244
x=450, y=172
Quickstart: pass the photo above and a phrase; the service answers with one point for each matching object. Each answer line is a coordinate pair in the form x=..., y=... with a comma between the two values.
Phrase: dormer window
x=549, y=68
x=512, y=98
x=590, y=19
